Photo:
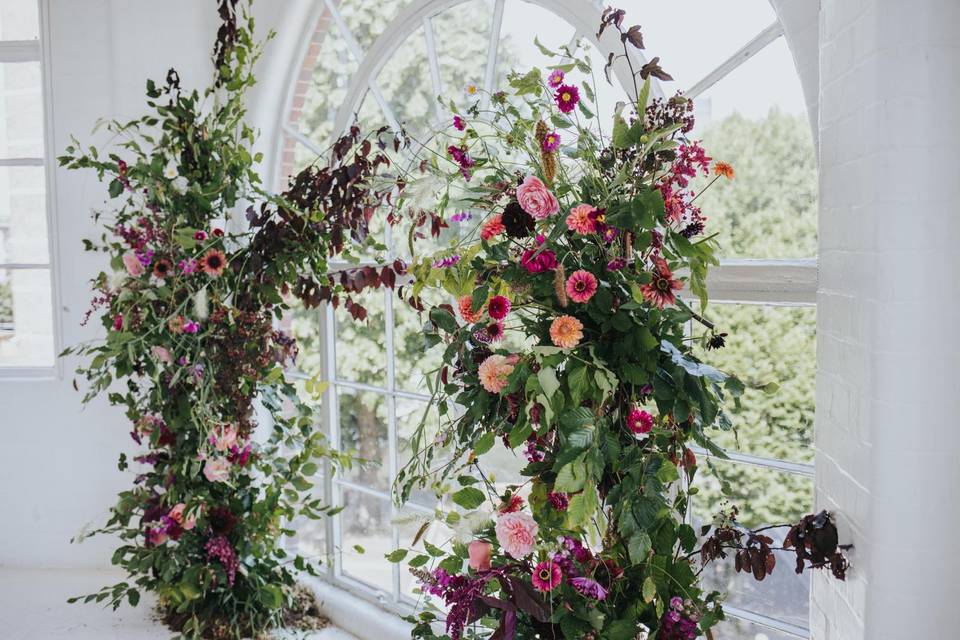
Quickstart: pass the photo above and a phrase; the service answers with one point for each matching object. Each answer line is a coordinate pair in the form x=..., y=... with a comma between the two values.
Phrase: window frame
x=765, y=282
x=25, y=51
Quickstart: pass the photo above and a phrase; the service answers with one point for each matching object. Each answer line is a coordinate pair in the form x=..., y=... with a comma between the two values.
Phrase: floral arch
x=386, y=65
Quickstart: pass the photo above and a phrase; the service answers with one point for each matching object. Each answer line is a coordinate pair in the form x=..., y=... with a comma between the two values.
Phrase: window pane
x=736, y=629
x=411, y=414
x=436, y=534
x=19, y=20
x=363, y=429
x=517, y=50
x=462, y=35
x=367, y=20
x=361, y=351
x=304, y=326
x=21, y=110
x=769, y=344
x=26, y=322
x=321, y=87
x=23, y=215
x=405, y=83
x=365, y=538
x=310, y=540
x=755, y=119
x=763, y=496
x=414, y=362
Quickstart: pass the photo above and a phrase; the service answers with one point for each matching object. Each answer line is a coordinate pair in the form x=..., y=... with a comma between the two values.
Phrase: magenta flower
x=567, y=96
x=460, y=217
x=118, y=322
x=546, y=576
x=589, y=588
x=200, y=235
x=538, y=260
x=447, y=261
x=458, y=123
x=219, y=549
x=555, y=79
x=558, y=500
x=639, y=421
x=551, y=142
x=189, y=326
x=616, y=264
x=498, y=307
x=581, y=285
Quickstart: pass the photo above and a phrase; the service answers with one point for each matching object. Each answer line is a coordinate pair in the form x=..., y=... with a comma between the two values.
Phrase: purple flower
x=616, y=264
x=676, y=603
x=460, y=217
x=218, y=548
x=555, y=79
x=558, y=500
x=567, y=96
x=458, y=123
x=589, y=588
x=447, y=261
x=189, y=326
x=187, y=266
x=551, y=142
x=145, y=257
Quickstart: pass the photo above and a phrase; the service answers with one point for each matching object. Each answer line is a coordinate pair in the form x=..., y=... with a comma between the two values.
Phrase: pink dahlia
x=498, y=307
x=536, y=199
x=492, y=227
x=639, y=421
x=547, y=576
x=517, y=534
x=580, y=221
x=493, y=372
x=660, y=290
x=465, y=306
x=566, y=332
x=581, y=285
x=567, y=97
x=555, y=79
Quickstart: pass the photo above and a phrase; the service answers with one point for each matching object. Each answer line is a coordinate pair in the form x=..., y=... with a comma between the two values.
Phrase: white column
x=888, y=390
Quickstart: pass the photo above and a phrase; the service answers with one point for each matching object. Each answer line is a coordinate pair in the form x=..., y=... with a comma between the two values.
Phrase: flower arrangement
x=191, y=353
x=567, y=344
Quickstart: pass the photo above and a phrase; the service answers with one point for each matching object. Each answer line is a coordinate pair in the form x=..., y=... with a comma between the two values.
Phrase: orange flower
x=465, y=304
x=566, y=332
x=724, y=169
x=492, y=227
x=213, y=262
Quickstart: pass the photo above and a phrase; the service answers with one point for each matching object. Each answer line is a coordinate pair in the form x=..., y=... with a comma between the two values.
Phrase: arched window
x=27, y=338
x=385, y=62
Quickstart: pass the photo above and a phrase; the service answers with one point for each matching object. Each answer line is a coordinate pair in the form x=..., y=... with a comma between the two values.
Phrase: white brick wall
x=887, y=389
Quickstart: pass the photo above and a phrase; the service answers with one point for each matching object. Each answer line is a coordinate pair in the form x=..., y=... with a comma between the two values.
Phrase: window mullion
x=19, y=51
x=490, y=73
x=743, y=54
x=21, y=162
x=431, y=44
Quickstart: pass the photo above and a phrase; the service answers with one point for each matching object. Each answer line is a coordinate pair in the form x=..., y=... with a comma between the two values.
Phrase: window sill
x=356, y=615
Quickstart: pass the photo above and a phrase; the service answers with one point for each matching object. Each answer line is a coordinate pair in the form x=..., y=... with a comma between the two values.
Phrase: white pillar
x=888, y=390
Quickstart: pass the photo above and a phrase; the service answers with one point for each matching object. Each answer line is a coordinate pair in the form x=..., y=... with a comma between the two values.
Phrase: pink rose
x=517, y=533
x=216, y=469
x=177, y=514
x=162, y=354
x=536, y=199
x=225, y=437
x=480, y=553
x=133, y=265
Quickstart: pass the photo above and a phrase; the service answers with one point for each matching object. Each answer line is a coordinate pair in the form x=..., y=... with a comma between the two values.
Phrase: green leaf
x=548, y=381
x=668, y=472
x=582, y=507
x=577, y=381
x=484, y=443
x=443, y=319
x=572, y=477
x=396, y=555
x=469, y=497
x=419, y=561
x=639, y=546
x=649, y=589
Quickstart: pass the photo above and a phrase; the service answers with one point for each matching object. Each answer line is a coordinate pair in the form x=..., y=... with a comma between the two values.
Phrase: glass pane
x=685, y=34
x=19, y=20
x=414, y=362
x=322, y=86
x=763, y=496
x=436, y=534
x=304, y=326
x=755, y=119
x=26, y=318
x=21, y=110
x=517, y=50
x=310, y=540
x=366, y=535
x=406, y=85
x=368, y=20
x=23, y=215
x=462, y=35
x=360, y=348
x=363, y=430
x=410, y=415
x=769, y=344
x=736, y=629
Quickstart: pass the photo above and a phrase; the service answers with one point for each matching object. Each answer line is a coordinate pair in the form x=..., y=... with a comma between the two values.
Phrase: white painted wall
x=889, y=302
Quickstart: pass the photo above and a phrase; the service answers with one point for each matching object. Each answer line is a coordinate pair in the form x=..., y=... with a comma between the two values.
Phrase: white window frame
x=21, y=51
x=768, y=282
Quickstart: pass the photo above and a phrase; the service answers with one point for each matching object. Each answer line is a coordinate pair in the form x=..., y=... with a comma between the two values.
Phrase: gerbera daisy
x=579, y=220
x=660, y=291
x=493, y=372
x=498, y=307
x=567, y=97
x=551, y=142
x=566, y=332
x=492, y=227
x=465, y=305
x=546, y=576
x=581, y=285
x=161, y=268
x=213, y=262
x=724, y=169
x=555, y=79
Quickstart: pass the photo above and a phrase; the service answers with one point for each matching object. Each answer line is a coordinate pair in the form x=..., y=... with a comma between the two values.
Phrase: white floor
x=33, y=606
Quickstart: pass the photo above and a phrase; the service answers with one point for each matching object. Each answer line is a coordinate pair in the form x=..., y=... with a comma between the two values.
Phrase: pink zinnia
x=492, y=227
x=581, y=285
x=639, y=421
x=567, y=97
x=580, y=221
x=498, y=307
x=547, y=576
x=555, y=79
x=551, y=142
x=660, y=290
